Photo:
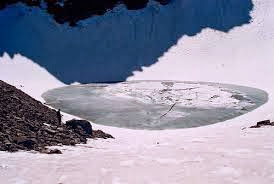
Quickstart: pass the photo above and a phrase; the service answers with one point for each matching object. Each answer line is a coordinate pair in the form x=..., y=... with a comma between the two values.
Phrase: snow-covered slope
x=26, y=75
x=226, y=152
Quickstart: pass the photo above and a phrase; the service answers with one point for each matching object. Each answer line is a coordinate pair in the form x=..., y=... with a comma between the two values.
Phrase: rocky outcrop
x=101, y=134
x=72, y=11
x=80, y=125
x=83, y=126
x=263, y=123
x=27, y=124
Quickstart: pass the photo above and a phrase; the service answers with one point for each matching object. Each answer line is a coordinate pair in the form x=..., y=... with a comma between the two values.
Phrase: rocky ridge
x=72, y=11
x=262, y=124
x=27, y=124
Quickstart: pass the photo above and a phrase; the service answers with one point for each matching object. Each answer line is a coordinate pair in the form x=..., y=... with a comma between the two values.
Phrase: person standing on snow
x=59, y=117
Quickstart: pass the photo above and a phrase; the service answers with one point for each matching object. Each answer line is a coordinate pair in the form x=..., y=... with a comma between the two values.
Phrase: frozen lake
x=156, y=105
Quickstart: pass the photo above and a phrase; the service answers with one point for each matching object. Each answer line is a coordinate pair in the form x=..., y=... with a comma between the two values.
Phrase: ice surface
x=156, y=104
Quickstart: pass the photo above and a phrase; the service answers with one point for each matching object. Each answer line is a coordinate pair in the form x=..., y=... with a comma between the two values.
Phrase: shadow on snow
x=110, y=47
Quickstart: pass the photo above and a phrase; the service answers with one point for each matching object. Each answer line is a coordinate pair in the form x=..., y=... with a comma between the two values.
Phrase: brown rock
x=101, y=134
x=262, y=123
x=82, y=124
x=54, y=151
x=27, y=124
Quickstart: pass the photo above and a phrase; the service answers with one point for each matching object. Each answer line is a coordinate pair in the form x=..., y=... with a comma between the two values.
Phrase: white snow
x=26, y=75
x=127, y=163
x=220, y=153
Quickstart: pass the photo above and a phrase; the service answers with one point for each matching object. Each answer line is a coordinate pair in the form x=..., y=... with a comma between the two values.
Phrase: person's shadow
x=110, y=47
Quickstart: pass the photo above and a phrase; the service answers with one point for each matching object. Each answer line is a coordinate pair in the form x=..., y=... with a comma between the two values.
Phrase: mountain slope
x=110, y=47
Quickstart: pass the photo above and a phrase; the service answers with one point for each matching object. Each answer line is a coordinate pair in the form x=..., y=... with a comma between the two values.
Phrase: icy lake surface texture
x=156, y=105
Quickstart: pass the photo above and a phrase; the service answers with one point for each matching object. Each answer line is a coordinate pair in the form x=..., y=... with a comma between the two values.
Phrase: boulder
x=54, y=151
x=82, y=124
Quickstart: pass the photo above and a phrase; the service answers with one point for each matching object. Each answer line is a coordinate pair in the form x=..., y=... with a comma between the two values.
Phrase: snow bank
x=26, y=75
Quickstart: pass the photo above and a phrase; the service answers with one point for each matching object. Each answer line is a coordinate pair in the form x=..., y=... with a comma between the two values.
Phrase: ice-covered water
x=156, y=104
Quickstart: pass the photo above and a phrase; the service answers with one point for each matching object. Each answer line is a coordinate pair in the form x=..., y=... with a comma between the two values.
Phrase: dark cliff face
x=5, y=3
x=110, y=47
x=72, y=11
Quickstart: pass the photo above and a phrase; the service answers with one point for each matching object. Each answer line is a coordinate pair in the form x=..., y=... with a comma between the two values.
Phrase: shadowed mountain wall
x=111, y=46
